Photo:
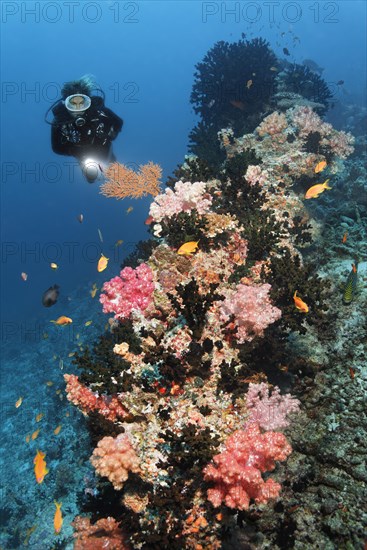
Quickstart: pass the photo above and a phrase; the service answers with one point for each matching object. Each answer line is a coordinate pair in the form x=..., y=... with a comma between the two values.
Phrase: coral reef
x=179, y=393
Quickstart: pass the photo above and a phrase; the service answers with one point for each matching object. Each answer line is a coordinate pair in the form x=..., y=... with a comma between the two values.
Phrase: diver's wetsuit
x=88, y=134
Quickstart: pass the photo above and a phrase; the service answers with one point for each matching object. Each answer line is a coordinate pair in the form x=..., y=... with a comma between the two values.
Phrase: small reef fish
x=352, y=373
x=119, y=242
x=286, y=51
x=49, y=383
x=40, y=469
x=274, y=69
x=88, y=323
x=238, y=104
x=299, y=303
x=130, y=209
x=320, y=166
x=149, y=220
x=39, y=417
x=71, y=354
x=24, y=276
x=345, y=236
x=28, y=438
x=93, y=292
x=19, y=402
x=351, y=285
x=249, y=84
x=316, y=190
x=53, y=265
x=58, y=517
x=340, y=83
x=61, y=364
x=80, y=218
x=188, y=248
x=62, y=320
x=100, y=235
x=35, y=435
x=102, y=263
x=57, y=430
x=50, y=296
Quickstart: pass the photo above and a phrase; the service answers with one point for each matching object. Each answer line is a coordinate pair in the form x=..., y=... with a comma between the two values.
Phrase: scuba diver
x=83, y=127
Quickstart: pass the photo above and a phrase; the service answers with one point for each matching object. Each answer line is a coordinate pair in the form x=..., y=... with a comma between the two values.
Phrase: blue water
x=142, y=55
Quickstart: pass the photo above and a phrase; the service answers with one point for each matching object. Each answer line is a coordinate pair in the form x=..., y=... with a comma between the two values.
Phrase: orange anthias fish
x=320, y=166
x=40, y=469
x=58, y=517
x=188, y=248
x=62, y=320
x=57, y=430
x=345, y=236
x=316, y=190
x=102, y=263
x=299, y=303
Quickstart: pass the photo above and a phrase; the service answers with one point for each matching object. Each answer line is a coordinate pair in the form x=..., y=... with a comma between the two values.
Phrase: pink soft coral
x=252, y=309
x=88, y=401
x=114, y=458
x=269, y=411
x=237, y=470
x=185, y=197
x=133, y=289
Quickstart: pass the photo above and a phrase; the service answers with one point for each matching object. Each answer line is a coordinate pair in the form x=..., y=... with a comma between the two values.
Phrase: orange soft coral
x=105, y=533
x=114, y=458
x=123, y=182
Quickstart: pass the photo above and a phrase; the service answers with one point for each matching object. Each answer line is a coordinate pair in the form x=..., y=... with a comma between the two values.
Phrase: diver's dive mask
x=77, y=104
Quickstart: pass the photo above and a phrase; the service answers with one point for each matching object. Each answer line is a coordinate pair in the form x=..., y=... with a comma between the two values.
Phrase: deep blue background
x=143, y=55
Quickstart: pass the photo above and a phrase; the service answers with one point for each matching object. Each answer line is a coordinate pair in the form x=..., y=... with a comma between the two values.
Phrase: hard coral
x=114, y=458
x=237, y=471
x=133, y=289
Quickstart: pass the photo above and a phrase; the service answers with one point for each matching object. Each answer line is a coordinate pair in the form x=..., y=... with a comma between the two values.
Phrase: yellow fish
x=119, y=242
x=62, y=320
x=39, y=417
x=88, y=323
x=102, y=263
x=188, y=248
x=53, y=265
x=71, y=354
x=19, y=402
x=58, y=517
x=40, y=469
x=320, y=166
x=93, y=292
x=35, y=435
x=49, y=383
x=57, y=430
x=299, y=303
x=130, y=209
x=316, y=190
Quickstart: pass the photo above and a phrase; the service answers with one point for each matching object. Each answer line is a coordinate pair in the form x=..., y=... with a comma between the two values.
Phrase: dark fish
x=100, y=167
x=286, y=51
x=340, y=83
x=50, y=296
